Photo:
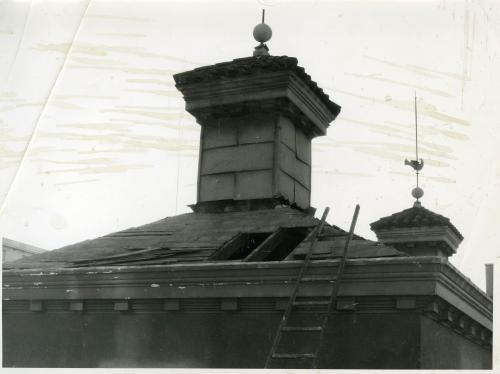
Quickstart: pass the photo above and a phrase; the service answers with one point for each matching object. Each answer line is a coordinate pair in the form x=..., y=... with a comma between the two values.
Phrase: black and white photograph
x=250, y=184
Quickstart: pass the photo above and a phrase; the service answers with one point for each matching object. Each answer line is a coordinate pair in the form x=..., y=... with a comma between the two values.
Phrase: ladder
x=292, y=304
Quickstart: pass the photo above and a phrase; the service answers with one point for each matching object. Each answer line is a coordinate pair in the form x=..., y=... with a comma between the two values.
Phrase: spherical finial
x=262, y=33
x=417, y=193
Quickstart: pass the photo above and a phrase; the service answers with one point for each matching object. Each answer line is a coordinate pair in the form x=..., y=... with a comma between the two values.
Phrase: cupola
x=418, y=232
x=258, y=116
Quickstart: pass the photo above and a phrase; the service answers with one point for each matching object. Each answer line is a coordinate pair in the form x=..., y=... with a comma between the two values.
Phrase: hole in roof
x=274, y=246
x=287, y=241
x=247, y=244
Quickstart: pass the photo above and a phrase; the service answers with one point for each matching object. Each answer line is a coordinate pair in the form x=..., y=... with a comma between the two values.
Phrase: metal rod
x=263, y=15
x=416, y=136
x=416, y=128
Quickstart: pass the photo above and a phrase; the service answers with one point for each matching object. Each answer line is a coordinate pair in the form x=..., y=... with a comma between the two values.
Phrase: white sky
x=94, y=137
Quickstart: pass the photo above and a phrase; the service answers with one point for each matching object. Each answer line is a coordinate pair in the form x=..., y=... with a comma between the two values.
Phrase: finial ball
x=417, y=192
x=262, y=33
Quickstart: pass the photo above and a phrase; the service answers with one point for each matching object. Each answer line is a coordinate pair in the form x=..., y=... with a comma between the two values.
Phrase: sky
x=94, y=137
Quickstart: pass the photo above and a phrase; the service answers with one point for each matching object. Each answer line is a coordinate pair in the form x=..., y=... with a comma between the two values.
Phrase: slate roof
x=333, y=246
x=191, y=237
x=416, y=216
x=254, y=66
x=14, y=245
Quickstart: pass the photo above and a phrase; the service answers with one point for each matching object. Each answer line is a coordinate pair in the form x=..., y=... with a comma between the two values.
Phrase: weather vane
x=262, y=33
x=416, y=164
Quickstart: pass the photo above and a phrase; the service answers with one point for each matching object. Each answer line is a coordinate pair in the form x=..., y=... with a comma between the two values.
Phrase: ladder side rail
x=293, y=296
x=335, y=288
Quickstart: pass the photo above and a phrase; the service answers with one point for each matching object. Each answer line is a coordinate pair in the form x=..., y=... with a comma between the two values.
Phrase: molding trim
x=409, y=277
x=447, y=315
x=440, y=236
x=432, y=307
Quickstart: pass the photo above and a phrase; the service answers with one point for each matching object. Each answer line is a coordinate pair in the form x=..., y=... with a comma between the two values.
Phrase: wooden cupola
x=418, y=232
x=258, y=116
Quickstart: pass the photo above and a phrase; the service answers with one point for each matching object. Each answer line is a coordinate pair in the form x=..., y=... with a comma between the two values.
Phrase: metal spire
x=416, y=164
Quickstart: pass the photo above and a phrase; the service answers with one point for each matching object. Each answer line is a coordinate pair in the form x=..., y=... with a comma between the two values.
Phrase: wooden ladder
x=292, y=304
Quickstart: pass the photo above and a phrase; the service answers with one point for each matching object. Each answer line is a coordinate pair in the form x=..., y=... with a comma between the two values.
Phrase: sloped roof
x=416, y=216
x=15, y=245
x=191, y=237
x=254, y=65
x=333, y=246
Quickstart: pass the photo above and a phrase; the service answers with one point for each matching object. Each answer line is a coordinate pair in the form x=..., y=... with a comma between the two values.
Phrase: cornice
x=266, y=92
x=415, y=276
x=453, y=318
x=252, y=66
x=443, y=235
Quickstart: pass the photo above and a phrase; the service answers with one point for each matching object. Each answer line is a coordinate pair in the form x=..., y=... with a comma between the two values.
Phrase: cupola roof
x=247, y=66
x=416, y=216
x=419, y=232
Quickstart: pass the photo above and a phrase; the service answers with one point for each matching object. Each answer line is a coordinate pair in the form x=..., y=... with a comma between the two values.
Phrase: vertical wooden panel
x=286, y=186
x=287, y=132
x=276, y=153
x=294, y=167
x=302, y=196
x=253, y=185
x=245, y=157
x=217, y=187
x=255, y=129
x=221, y=134
x=303, y=147
x=200, y=160
x=240, y=158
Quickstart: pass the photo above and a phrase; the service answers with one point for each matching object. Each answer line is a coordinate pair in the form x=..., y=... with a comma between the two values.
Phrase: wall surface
x=391, y=313
x=253, y=157
x=237, y=158
x=200, y=334
x=442, y=348
x=294, y=169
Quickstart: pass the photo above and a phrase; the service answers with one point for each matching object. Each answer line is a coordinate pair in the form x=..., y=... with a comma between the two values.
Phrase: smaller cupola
x=418, y=231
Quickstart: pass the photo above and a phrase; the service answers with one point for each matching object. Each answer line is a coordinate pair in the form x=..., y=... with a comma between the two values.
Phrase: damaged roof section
x=331, y=243
x=258, y=235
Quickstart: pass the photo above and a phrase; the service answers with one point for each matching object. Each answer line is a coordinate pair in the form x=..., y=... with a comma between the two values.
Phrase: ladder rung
x=293, y=355
x=302, y=328
x=310, y=303
x=317, y=279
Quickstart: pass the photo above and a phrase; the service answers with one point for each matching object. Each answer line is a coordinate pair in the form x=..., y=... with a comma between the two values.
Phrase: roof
x=14, y=245
x=331, y=246
x=416, y=216
x=186, y=238
x=250, y=66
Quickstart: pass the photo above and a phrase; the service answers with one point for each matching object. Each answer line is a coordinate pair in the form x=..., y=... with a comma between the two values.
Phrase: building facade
x=209, y=288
